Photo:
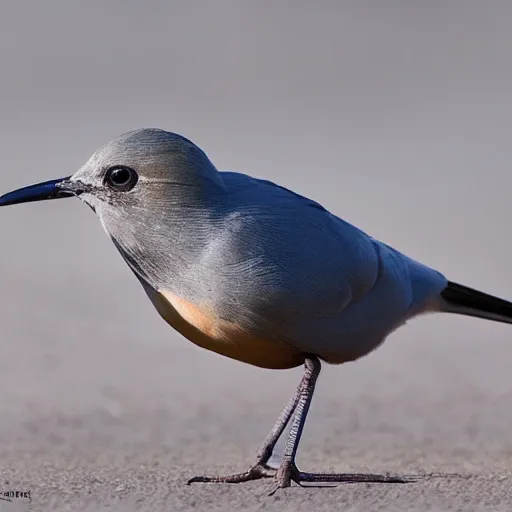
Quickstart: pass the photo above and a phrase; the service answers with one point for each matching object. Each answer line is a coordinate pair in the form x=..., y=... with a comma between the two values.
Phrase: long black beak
x=55, y=189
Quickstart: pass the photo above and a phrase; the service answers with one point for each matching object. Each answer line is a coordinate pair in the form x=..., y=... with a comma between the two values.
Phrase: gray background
x=396, y=115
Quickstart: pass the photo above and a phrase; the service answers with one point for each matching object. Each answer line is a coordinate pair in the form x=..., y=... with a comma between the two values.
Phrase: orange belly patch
x=202, y=327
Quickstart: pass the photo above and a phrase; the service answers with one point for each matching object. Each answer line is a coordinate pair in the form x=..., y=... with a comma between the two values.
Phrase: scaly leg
x=288, y=470
x=260, y=468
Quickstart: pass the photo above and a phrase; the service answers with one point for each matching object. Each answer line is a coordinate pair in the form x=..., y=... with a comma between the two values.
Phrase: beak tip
x=39, y=192
x=7, y=199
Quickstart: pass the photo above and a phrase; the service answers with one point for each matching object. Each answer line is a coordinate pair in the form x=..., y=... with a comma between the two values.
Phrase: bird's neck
x=166, y=251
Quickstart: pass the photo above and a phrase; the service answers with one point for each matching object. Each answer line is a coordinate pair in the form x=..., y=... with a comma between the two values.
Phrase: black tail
x=466, y=301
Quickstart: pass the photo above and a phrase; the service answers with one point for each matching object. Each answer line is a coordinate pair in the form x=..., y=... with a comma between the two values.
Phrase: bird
x=255, y=272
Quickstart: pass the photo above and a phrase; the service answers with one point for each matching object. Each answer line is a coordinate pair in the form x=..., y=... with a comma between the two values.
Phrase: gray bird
x=255, y=272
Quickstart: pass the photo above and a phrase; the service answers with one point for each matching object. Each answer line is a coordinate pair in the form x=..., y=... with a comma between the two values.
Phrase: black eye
x=121, y=178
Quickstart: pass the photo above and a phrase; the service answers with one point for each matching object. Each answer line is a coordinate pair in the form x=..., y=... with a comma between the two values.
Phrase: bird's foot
x=255, y=473
x=288, y=473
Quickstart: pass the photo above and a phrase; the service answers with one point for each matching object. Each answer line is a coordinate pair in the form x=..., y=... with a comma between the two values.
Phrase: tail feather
x=462, y=300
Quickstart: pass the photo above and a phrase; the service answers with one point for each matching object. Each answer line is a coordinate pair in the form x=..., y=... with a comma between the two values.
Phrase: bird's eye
x=121, y=178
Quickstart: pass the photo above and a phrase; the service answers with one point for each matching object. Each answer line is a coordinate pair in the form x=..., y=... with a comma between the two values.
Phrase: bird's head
x=145, y=185
x=147, y=170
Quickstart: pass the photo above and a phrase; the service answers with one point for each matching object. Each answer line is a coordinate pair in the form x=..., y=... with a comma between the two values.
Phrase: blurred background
x=394, y=115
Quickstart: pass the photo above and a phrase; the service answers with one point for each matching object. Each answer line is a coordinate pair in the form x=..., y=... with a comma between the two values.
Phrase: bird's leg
x=288, y=470
x=260, y=468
